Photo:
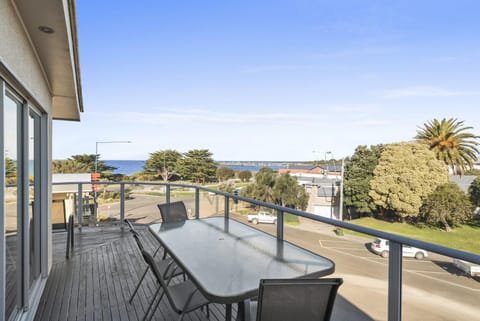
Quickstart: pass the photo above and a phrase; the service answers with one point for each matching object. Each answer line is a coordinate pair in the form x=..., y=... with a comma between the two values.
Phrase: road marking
x=383, y=262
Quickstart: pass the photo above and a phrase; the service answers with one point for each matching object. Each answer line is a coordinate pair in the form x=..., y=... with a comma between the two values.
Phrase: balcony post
x=395, y=282
x=279, y=225
x=122, y=206
x=227, y=207
x=80, y=206
x=167, y=193
x=197, y=203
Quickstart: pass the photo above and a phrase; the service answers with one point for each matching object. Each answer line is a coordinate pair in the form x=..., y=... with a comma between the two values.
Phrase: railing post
x=80, y=206
x=197, y=203
x=279, y=225
x=167, y=194
x=227, y=207
x=122, y=206
x=395, y=282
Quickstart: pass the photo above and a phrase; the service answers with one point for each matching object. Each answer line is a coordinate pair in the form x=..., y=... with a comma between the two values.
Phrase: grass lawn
x=465, y=237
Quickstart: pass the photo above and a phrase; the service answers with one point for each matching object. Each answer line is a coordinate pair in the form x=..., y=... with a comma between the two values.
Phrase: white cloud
x=425, y=91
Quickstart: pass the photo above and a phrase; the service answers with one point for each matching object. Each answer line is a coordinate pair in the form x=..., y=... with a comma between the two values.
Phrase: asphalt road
x=432, y=288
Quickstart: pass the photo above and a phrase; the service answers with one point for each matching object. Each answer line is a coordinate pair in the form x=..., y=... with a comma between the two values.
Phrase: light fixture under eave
x=46, y=29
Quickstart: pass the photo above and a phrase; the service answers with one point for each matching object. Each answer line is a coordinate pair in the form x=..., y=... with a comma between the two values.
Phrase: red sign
x=95, y=176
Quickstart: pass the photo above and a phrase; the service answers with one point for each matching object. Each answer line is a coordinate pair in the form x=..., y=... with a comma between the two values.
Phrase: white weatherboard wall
x=17, y=54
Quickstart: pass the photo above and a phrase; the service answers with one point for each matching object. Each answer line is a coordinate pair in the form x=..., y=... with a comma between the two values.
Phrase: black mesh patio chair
x=183, y=297
x=167, y=266
x=173, y=212
x=294, y=299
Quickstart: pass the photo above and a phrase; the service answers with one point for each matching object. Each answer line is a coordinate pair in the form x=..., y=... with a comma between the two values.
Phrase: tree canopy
x=474, y=191
x=245, y=175
x=358, y=173
x=69, y=166
x=278, y=189
x=89, y=160
x=197, y=165
x=287, y=192
x=163, y=163
x=224, y=173
x=447, y=206
x=451, y=142
x=405, y=175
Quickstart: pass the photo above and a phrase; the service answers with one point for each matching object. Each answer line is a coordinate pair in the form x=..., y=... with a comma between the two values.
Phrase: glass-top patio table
x=226, y=259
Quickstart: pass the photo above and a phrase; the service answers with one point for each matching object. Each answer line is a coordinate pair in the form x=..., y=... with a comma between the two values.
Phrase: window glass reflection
x=11, y=108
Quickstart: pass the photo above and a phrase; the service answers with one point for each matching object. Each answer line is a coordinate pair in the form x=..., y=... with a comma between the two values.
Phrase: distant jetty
x=282, y=164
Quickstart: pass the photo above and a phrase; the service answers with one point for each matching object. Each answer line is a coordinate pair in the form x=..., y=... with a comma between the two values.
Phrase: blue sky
x=270, y=80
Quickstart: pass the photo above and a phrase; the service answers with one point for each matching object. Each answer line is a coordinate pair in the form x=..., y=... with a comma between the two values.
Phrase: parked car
x=467, y=267
x=262, y=217
x=381, y=247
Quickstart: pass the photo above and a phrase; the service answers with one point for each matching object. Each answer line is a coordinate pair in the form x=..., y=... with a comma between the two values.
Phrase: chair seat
x=180, y=293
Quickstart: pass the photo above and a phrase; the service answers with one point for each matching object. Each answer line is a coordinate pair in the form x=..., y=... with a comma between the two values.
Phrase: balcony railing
x=396, y=242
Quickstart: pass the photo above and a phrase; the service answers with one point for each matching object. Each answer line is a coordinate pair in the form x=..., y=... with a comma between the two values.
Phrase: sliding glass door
x=21, y=208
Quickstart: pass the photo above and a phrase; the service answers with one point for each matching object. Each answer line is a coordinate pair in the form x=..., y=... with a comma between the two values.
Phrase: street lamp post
x=326, y=163
x=96, y=167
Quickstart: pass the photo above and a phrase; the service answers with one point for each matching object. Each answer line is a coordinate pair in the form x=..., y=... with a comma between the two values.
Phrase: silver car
x=381, y=247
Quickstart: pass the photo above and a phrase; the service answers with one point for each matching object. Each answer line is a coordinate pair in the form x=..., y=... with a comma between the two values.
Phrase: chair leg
x=181, y=316
x=156, y=306
x=151, y=304
x=138, y=285
x=208, y=311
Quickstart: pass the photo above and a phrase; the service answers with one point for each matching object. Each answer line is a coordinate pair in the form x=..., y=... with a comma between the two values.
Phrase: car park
x=381, y=247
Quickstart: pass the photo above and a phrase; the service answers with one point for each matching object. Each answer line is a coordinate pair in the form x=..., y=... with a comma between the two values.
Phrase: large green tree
x=262, y=188
x=405, y=175
x=163, y=163
x=277, y=189
x=224, y=173
x=245, y=175
x=474, y=192
x=358, y=173
x=89, y=160
x=447, y=206
x=69, y=166
x=198, y=166
x=451, y=142
x=287, y=192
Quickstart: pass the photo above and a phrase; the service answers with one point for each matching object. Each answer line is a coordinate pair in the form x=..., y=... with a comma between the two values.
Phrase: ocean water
x=128, y=167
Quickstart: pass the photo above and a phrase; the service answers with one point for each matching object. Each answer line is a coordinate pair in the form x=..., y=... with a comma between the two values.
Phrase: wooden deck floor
x=96, y=283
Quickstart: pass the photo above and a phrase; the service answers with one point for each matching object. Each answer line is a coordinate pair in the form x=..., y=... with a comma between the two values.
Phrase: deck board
x=96, y=283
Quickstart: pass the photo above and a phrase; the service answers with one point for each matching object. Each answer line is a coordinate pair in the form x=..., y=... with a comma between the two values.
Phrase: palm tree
x=451, y=142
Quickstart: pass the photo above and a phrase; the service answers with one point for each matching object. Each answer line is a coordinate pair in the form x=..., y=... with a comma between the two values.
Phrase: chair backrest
x=296, y=299
x=136, y=236
x=130, y=226
x=173, y=212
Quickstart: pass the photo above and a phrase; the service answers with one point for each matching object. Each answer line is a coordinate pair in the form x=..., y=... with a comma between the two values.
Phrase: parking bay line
x=409, y=271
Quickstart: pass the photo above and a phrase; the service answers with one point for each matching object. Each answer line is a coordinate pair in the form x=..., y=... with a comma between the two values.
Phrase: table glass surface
x=227, y=259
